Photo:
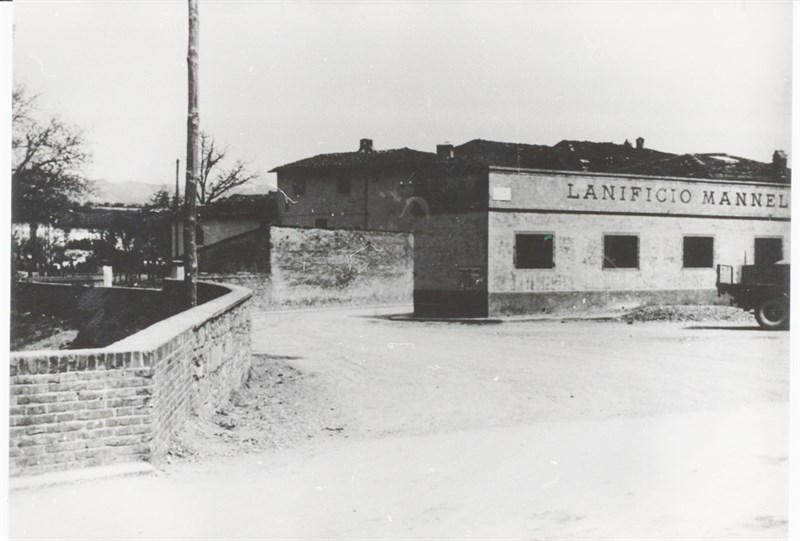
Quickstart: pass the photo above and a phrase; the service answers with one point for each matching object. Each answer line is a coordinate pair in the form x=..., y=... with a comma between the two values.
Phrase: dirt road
x=525, y=430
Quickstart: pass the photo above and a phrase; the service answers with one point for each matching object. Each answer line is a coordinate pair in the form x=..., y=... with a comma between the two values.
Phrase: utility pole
x=192, y=163
x=176, y=208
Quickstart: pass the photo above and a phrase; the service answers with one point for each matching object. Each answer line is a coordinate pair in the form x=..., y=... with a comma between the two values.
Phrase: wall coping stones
x=159, y=334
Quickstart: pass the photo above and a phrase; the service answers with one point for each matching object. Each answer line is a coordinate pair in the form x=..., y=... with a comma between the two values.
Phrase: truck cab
x=761, y=289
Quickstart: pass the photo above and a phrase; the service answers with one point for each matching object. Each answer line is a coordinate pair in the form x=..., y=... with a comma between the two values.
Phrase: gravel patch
x=686, y=313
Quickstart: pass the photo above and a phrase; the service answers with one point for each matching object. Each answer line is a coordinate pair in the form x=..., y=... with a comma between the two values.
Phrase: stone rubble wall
x=312, y=267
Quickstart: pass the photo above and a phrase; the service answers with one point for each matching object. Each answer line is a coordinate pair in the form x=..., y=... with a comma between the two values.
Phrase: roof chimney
x=445, y=150
x=365, y=145
x=779, y=163
x=639, y=143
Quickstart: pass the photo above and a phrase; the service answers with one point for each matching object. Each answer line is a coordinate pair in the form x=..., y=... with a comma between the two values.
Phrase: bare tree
x=48, y=158
x=214, y=180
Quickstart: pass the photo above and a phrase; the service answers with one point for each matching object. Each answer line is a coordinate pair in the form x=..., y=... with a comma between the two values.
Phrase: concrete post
x=108, y=276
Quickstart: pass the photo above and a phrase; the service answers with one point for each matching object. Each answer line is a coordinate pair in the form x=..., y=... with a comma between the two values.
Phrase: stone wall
x=324, y=267
x=245, y=252
x=259, y=283
x=80, y=408
x=312, y=267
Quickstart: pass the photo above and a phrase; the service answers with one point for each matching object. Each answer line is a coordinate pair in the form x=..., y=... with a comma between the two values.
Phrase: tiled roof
x=564, y=156
x=709, y=166
x=616, y=158
x=603, y=157
x=507, y=154
x=404, y=157
x=263, y=205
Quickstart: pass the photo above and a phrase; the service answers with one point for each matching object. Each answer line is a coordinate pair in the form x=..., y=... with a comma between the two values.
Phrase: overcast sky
x=281, y=81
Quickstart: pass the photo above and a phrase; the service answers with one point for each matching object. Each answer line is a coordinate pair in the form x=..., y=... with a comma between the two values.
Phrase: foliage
x=35, y=253
x=129, y=240
x=214, y=180
x=48, y=157
x=162, y=199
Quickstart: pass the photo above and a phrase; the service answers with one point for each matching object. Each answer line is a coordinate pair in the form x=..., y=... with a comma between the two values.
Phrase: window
x=299, y=187
x=343, y=185
x=322, y=223
x=620, y=252
x=199, y=235
x=698, y=252
x=768, y=250
x=534, y=251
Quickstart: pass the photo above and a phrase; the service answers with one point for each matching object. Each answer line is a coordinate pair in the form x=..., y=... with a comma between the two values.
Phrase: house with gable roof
x=366, y=189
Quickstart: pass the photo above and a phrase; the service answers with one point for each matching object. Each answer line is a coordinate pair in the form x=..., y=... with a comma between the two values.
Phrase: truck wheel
x=773, y=313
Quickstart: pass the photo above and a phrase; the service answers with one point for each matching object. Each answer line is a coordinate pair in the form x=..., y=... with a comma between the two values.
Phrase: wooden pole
x=177, y=183
x=176, y=210
x=192, y=163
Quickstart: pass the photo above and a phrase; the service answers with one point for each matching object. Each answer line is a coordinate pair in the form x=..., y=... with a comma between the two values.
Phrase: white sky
x=280, y=81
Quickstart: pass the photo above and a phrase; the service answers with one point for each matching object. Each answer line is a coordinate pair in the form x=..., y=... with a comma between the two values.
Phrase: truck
x=761, y=289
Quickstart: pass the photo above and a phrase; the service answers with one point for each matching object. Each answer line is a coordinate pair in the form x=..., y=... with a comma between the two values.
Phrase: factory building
x=542, y=241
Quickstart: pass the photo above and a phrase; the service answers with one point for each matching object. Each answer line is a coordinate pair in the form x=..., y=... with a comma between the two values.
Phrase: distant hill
x=140, y=193
x=126, y=193
x=253, y=187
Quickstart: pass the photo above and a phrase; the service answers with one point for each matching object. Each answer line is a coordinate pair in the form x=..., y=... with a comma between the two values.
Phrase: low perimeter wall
x=90, y=407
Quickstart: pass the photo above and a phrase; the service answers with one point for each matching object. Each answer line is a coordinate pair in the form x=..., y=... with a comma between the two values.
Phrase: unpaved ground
x=525, y=430
x=32, y=331
x=279, y=407
x=384, y=377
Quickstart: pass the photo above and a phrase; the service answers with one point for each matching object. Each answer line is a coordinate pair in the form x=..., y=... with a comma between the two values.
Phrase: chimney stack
x=365, y=145
x=445, y=150
x=779, y=163
x=639, y=143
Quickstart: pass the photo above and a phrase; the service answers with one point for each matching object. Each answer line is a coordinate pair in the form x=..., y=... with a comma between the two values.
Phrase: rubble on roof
x=567, y=155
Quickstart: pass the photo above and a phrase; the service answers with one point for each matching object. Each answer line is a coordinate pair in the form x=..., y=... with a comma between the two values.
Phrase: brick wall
x=80, y=408
x=83, y=409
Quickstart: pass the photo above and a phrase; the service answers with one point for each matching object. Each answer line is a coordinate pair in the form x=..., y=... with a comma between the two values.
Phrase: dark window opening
x=199, y=235
x=299, y=187
x=322, y=223
x=534, y=251
x=343, y=185
x=620, y=252
x=698, y=252
x=768, y=251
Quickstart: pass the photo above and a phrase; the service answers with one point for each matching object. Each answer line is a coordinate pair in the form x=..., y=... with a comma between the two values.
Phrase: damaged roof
x=625, y=158
x=404, y=157
x=566, y=155
x=710, y=166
